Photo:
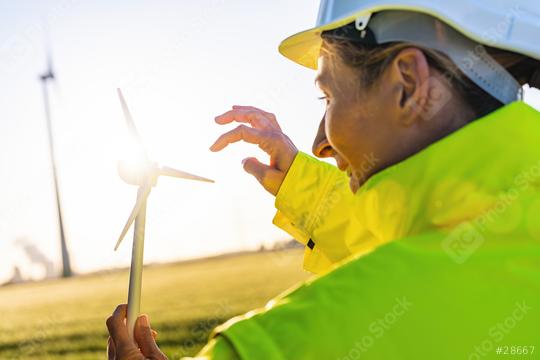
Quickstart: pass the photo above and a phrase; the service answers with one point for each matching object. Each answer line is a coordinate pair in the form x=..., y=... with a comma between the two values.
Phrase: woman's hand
x=121, y=347
x=265, y=132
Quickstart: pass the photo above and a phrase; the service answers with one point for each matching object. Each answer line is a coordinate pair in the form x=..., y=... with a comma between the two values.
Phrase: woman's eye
x=324, y=98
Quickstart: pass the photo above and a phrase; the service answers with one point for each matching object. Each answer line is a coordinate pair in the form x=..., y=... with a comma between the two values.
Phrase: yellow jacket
x=455, y=273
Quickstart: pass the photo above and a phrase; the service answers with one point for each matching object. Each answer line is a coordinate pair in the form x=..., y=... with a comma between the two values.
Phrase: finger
x=111, y=351
x=242, y=132
x=249, y=107
x=144, y=338
x=255, y=118
x=117, y=326
x=269, y=115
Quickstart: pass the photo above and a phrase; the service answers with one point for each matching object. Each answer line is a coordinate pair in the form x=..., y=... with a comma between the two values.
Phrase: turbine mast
x=45, y=78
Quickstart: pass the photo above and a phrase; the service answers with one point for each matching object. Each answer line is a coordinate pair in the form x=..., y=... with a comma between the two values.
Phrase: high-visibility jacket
x=436, y=257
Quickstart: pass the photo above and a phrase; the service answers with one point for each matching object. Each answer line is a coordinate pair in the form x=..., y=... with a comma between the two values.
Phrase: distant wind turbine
x=45, y=78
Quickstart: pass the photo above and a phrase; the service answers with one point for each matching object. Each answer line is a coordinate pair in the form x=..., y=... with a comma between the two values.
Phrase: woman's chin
x=354, y=184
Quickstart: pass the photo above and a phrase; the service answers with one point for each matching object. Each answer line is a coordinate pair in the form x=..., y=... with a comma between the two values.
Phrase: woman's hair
x=371, y=61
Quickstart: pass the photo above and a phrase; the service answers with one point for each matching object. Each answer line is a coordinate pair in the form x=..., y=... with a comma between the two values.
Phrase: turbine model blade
x=142, y=195
x=131, y=124
x=167, y=171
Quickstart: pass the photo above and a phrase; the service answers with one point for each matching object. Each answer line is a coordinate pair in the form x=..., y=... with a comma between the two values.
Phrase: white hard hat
x=457, y=28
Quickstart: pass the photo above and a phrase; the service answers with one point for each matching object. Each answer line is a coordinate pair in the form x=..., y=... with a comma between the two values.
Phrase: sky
x=179, y=64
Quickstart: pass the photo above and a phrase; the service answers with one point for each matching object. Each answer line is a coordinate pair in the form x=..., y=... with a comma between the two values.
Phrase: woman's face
x=356, y=126
x=367, y=131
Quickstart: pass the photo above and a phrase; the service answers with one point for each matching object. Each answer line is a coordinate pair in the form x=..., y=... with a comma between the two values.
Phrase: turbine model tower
x=145, y=177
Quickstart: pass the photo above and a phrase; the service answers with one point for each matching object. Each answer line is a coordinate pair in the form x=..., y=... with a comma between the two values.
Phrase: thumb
x=269, y=177
x=256, y=168
x=144, y=338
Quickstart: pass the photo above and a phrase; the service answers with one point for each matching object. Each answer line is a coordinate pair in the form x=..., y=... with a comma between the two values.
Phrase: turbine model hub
x=138, y=173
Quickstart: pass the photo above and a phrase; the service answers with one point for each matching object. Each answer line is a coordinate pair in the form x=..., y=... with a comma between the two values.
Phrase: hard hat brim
x=303, y=48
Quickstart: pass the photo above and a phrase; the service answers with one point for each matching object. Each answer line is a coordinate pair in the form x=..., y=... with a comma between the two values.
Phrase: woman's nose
x=321, y=147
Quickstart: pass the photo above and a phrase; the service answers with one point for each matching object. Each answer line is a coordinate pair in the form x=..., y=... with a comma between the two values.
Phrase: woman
x=442, y=168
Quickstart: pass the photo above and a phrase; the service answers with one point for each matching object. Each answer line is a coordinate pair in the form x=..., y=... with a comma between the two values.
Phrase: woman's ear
x=410, y=70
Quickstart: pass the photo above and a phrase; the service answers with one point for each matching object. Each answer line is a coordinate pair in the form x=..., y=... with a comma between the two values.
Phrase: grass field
x=65, y=319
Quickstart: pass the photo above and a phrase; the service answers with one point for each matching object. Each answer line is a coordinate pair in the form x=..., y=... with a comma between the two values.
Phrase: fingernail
x=244, y=161
x=144, y=320
x=212, y=147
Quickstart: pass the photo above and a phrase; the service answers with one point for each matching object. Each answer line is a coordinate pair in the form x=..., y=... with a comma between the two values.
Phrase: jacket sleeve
x=314, y=205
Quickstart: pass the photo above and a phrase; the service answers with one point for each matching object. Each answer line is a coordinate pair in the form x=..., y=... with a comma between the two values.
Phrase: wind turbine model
x=145, y=178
